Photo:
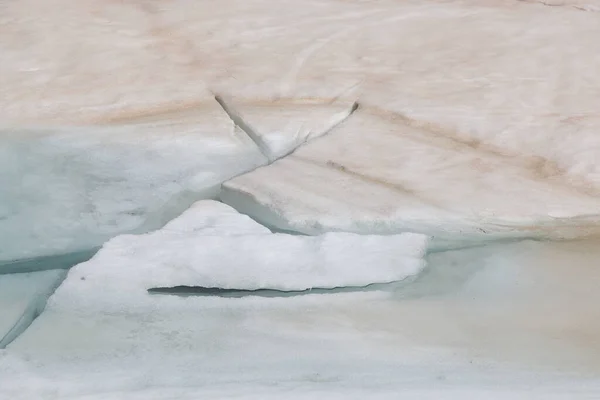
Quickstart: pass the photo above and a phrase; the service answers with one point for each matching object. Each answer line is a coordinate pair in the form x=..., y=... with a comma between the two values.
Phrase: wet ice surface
x=477, y=123
x=479, y=322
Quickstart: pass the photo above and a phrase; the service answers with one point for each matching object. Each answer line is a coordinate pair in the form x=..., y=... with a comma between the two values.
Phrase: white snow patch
x=276, y=261
x=210, y=246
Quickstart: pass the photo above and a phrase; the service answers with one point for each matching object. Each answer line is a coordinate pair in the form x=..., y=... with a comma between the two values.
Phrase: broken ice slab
x=70, y=189
x=273, y=261
x=22, y=299
x=379, y=175
x=211, y=245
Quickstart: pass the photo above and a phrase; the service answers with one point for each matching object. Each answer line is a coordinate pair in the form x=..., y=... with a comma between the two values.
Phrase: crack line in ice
x=239, y=121
x=33, y=310
x=369, y=179
x=256, y=137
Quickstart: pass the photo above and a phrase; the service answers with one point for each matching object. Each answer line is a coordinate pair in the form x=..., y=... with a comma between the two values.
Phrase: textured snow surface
x=517, y=76
x=497, y=98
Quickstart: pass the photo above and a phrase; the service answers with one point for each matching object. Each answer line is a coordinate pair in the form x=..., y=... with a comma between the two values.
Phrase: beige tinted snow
x=511, y=78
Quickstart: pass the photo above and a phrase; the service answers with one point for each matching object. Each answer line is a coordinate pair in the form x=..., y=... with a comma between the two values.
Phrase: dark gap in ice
x=265, y=292
x=43, y=263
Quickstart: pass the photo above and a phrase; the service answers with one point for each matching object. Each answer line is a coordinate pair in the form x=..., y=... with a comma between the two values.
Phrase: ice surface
x=379, y=174
x=514, y=81
x=480, y=321
x=22, y=296
x=69, y=189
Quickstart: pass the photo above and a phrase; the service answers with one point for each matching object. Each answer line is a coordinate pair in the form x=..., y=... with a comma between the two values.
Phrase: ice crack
x=33, y=310
x=257, y=137
x=239, y=293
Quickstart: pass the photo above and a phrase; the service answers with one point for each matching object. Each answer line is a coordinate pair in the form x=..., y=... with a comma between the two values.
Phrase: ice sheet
x=489, y=329
x=70, y=189
x=381, y=175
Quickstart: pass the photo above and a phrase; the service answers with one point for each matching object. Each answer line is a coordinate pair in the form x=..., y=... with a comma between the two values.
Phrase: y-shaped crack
x=257, y=137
